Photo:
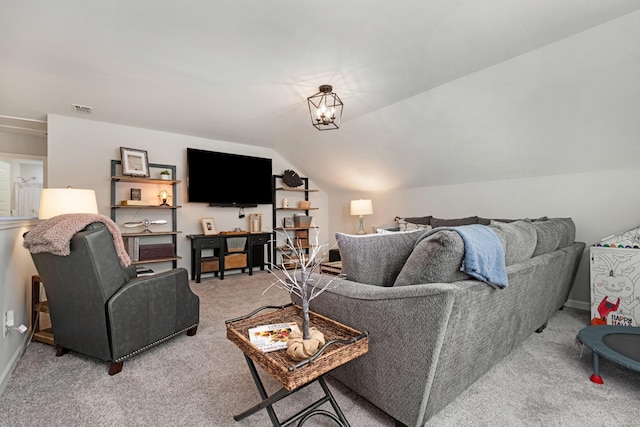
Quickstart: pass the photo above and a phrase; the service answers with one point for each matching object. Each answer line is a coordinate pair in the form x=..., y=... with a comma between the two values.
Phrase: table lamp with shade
x=58, y=201
x=361, y=208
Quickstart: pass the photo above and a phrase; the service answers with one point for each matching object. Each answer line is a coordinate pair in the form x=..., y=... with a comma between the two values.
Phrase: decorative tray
x=342, y=344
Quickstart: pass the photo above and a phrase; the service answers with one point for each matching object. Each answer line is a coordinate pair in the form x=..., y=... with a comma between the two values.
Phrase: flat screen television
x=223, y=179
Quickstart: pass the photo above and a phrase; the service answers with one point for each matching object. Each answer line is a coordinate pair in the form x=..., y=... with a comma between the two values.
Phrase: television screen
x=223, y=179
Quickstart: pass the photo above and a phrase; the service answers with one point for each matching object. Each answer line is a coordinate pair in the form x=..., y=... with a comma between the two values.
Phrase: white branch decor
x=296, y=281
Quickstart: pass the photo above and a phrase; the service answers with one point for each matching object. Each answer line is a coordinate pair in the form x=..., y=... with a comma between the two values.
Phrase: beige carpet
x=204, y=380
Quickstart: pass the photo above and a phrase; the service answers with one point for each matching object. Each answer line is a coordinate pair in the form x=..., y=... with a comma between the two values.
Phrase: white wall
x=22, y=143
x=601, y=203
x=16, y=266
x=80, y=151
x=16, y=269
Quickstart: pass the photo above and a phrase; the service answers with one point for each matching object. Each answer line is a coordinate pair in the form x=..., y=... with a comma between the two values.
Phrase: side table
x=37, y=307
x=343, y=344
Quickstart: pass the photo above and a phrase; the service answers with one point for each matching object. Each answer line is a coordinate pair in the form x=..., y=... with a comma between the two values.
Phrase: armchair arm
x=148, y=309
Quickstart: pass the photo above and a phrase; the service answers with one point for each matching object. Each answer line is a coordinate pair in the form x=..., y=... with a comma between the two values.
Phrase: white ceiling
x=435, y=91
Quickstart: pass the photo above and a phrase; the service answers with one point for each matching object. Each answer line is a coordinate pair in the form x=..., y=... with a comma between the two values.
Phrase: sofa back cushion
x=553, y=234
x=375, y=259
x=422, y=220
x=519, y=239
x=453, y=222
x=435, y=259
x=568, y=232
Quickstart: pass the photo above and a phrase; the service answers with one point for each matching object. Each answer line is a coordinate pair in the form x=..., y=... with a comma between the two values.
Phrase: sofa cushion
x=435, y=259
x=439, y=222
x=375, y=259
x=519, y=239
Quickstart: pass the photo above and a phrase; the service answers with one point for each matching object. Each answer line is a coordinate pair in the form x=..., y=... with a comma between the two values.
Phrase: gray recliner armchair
x=101, y=309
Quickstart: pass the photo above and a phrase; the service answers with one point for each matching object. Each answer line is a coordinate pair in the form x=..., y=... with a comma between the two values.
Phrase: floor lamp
x=58, y=201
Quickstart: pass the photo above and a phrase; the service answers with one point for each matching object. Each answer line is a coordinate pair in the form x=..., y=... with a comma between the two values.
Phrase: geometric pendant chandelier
x=325, y=108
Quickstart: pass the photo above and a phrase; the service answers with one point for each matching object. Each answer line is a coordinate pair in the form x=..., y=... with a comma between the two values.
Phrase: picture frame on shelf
x=208, y=226
x=134, y=162
x=287, y=222
x=136, y=194
x=255, y=223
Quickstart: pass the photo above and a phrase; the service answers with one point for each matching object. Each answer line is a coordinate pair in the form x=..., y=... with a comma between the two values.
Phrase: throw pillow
x=408, y=226
x=435, y=259
x=384, y=231
x=385, y=227
x=438, y=222
x=519, y=239
x=375, y=259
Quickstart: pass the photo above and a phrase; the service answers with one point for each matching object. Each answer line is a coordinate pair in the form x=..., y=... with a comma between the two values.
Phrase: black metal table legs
x=302, y=416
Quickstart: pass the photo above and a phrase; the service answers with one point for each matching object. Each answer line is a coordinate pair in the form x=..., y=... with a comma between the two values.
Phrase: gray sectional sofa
x=433, y=330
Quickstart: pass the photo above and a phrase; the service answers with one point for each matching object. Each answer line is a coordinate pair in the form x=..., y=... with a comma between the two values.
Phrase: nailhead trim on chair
x=146, y=347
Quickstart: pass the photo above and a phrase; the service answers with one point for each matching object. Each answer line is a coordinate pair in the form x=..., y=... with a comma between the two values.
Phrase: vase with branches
x=297, y=281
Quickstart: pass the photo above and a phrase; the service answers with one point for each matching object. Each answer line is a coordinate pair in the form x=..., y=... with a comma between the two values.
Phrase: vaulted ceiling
x=435, y=91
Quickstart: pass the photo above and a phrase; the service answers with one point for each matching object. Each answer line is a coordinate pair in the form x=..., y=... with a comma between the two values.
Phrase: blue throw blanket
x=483, y=253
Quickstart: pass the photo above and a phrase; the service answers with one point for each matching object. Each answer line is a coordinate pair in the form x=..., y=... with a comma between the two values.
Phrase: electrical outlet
x=8, y=322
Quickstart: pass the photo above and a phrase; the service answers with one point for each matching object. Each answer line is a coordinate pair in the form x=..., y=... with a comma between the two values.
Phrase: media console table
x=218, y=243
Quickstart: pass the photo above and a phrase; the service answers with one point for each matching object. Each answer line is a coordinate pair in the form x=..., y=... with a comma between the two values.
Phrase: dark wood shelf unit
x=292, y=228
x=39, y=306
x=156, y=260
x=306, y=189
x=155, y=233
x=173, y=207
x=277, y=249
x=124, y=178
x=143, y=207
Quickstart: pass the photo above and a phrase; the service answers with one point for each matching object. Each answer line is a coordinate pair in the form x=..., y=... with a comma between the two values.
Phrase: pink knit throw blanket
x=54, y=235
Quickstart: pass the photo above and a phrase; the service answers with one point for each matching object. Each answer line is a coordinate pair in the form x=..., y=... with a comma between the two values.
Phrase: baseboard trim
x=13, y=362
x=580, y=305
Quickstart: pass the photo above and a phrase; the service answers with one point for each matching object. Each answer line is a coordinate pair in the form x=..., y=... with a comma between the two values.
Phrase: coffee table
x=343, y=344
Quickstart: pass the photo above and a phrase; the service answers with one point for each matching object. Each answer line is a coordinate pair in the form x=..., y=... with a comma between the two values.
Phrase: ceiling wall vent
x=83, y=109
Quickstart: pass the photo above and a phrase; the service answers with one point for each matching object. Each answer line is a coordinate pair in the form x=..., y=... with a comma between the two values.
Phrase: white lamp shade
x=58, y=201
x=361, y=207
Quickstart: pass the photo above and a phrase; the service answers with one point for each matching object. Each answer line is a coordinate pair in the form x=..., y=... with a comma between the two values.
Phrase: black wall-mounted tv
x=223, y=179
